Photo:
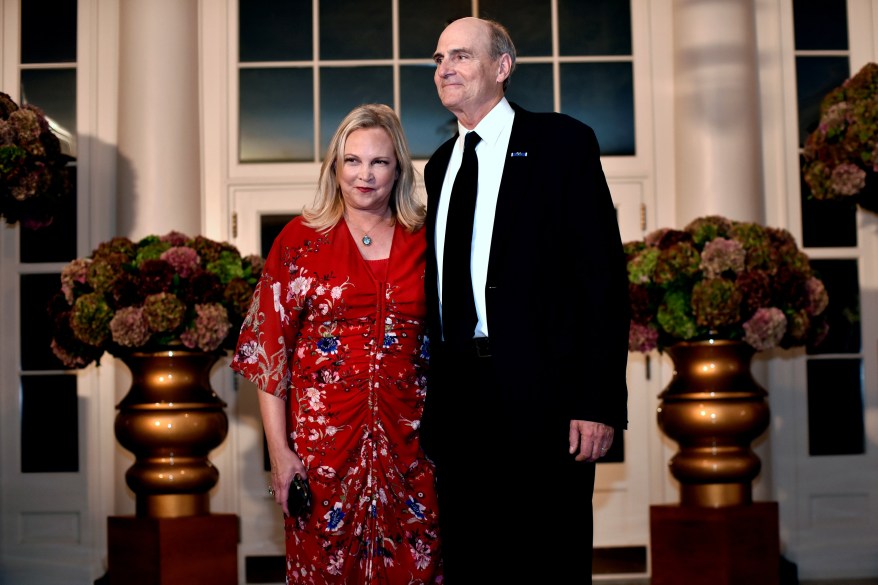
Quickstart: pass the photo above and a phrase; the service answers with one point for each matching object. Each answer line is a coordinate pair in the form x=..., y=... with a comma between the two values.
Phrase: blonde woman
x=335, y=341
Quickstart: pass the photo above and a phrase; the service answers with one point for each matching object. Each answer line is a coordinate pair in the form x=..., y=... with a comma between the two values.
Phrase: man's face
x=468, y=80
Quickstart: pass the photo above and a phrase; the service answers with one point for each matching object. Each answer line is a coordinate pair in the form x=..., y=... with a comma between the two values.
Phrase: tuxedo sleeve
x=598, y=269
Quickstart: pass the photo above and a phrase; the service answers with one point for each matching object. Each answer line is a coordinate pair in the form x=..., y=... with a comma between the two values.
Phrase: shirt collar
x=492, y=125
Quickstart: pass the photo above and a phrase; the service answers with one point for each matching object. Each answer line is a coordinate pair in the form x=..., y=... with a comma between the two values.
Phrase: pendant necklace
x=366, y=239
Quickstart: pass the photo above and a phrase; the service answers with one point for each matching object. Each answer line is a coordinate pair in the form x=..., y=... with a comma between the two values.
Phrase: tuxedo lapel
x=514, y=193
x=434, y=175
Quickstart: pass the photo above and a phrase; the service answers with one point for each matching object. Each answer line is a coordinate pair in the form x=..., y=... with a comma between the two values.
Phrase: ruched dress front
x=342, y=340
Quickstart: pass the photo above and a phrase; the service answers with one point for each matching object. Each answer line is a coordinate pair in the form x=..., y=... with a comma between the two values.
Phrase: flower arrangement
x=33, y=170
x=841, y=155
x=160, y=291
x=723, y=279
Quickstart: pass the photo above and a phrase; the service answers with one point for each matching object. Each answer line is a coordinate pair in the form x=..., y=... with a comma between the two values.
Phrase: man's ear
x=504, y=67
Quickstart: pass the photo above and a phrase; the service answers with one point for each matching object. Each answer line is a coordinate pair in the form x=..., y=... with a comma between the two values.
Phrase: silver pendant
x=367, y=241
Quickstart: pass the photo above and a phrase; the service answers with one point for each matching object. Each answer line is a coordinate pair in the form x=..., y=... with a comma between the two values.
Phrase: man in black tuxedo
x=522, y=404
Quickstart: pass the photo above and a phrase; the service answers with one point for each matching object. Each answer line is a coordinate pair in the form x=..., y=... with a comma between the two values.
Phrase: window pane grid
x=834, y=369
x=821, y=58
x=394, y=42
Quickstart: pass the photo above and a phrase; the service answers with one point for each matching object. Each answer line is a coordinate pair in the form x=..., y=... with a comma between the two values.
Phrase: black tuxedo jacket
x=557, y=289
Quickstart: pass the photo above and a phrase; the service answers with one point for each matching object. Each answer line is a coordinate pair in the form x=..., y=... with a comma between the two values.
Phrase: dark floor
x=609, y=563
x=609, y=566
x=613, y=581
x=842, y=582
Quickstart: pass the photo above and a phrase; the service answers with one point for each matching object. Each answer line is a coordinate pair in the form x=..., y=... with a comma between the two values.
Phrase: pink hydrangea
x=765, y=328
x=256, y=261
x=818, y=298
x=174, y=238
x=129, y=328
x=183, y=259
x=654, y=237
x=74, y=273
x=68, y=358
x=847, y=179
x=834, y=120
x=209, y=329
x=721, y=255
x=642, y=338
x=145, y=294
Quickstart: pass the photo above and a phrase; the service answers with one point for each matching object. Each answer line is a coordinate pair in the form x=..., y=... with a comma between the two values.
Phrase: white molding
x=214, y=87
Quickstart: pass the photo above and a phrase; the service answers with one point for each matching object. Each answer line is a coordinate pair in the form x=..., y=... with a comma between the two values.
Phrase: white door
x=621, y=499
x=261, y=521
x=51, y=519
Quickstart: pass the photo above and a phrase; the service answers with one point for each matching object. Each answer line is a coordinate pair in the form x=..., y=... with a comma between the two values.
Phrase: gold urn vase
x=171, y=419
x=713, y=409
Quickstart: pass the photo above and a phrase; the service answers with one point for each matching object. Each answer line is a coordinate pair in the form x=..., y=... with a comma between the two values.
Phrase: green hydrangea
x=716, y=303
x=722, y=279
x=642, y=266
x=90, y=319
x=679, y=262
x=839, y=159
x=227, y=266
x=146, y=295
x=675, y=315
x=163, y=312
x=150, y=248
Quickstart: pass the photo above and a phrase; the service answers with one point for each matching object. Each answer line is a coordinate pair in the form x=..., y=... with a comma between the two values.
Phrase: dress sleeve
x=267, y=338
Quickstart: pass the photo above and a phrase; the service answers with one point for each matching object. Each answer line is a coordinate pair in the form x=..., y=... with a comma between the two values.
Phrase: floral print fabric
x=346, y=349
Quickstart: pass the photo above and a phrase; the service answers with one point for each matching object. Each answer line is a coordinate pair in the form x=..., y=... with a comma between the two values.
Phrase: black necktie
x=458, y=305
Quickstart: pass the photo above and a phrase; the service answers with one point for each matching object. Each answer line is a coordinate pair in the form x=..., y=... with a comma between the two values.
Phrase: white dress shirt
x=494, y=130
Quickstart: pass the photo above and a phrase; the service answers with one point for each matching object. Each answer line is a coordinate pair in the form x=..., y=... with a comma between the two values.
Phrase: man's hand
x=590, y=441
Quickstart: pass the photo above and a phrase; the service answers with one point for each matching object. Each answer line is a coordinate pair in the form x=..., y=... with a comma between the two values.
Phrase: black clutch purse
x=299, y=498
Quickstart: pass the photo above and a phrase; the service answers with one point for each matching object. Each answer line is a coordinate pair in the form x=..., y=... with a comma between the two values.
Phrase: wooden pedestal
x=715, y=546
x=173, y=551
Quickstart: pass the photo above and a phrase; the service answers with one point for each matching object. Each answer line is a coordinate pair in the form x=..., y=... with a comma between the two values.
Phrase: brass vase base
x=172, y=505
x=715, y=495
x=713, y=409
x=170, y=420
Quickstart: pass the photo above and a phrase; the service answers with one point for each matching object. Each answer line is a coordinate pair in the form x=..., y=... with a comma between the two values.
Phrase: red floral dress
x=342, y=340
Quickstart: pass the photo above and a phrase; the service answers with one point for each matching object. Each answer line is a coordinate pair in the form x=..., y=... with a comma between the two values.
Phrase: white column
x=717, y=138
x=159, y=187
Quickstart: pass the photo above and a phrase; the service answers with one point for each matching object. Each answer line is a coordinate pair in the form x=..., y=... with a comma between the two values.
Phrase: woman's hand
x=284, y=467
x=285, y=463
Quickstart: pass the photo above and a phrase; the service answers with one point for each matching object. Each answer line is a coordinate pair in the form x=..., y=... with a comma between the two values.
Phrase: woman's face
x=368, y=170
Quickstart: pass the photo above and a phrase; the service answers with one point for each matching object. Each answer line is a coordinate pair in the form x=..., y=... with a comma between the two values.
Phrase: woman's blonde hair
x=328, y=207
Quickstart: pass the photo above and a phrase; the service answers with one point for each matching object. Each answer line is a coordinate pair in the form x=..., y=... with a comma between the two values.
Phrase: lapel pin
x=517, y=153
